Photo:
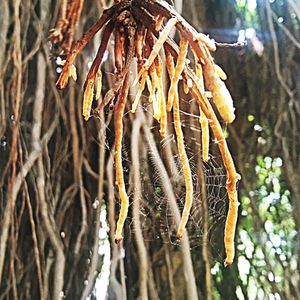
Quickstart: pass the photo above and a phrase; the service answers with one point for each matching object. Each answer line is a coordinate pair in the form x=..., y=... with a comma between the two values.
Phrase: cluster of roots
x=141, y=31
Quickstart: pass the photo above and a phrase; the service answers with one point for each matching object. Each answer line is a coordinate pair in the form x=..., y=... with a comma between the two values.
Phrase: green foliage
x=247, y=8
x=267, y=232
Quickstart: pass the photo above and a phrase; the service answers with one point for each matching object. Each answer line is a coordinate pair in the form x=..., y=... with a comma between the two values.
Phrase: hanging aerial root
x=139, y=45
x=232, y=175
x=170, y=64
x=204, y=136
x=203, y=120
x=156, y=48
x=181, y=150
x=186, y=168
x=183, y=48
x=139, y=92
x=230, y=224
x=138, y=41
x=119, y=112
x=119, y=48
x=161, y=98
x=85, y=39
x=153, y=98
x=122, y=75
x=150, y=89
x=73, y=17
x=94, y=70
x=62, y=35
x=141, y=53
x=101, y=50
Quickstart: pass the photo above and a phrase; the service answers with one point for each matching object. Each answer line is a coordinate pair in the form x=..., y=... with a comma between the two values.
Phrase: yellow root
x=230, y=226
x=149, y=86
x=99, y=85
x=220, y=72
x=220, y=93
x=156, y=48
x=204, y=136
x=153, y=94
x=186, y=168
x=73, y=72
x=199, y=72
x=183, y=47
x=222, y=100
x=156, y=109
x=170, y=64
x=119, y=111
x=88, y=99
x=182, y=154
x=203, y=120
x=161, y=100
x=232, y=175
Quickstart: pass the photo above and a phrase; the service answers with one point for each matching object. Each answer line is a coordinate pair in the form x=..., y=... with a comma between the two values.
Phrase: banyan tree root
x=141, y=30
x=63, y=34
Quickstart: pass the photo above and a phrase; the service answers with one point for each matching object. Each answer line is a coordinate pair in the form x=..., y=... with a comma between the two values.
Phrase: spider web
x=157, y=217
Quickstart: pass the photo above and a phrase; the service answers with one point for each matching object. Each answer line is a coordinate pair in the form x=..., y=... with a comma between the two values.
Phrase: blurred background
x=58, y=200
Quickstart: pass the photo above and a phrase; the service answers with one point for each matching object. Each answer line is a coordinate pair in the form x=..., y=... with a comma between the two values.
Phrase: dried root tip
x=157, y=47
x=179, y=235
x=186, y=88
x=156, y=109
x=150, y=89
x=178, y=70
x=123, y=213
x=70, y=70
x=63, y=79
x=124, y=209
x=88, y=99
x=220, y=72
x=118, y=239
x=227, y=263
x=208, y=42
x=99, y=85
x=139, y=92
x=230, y=224
x=73, y=72
x=223, y=101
